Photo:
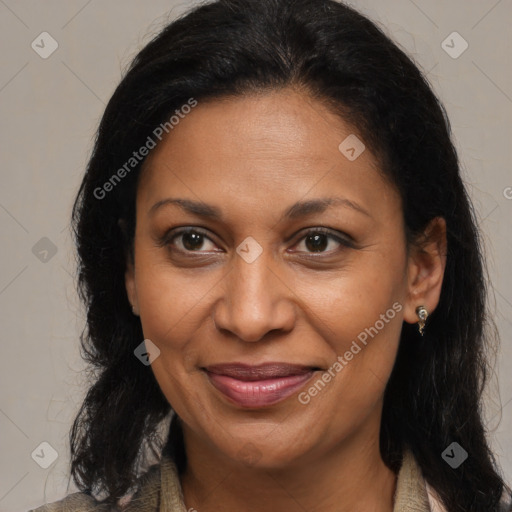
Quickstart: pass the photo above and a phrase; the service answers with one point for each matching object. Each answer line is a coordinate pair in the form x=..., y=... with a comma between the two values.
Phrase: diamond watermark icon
x=44, y=45
x=147, y=352
x=44, y=455
x=351, y=147
x=250, y=454
x=454, y=455
x=44, y=250
x=249, y=249
x=454, y=45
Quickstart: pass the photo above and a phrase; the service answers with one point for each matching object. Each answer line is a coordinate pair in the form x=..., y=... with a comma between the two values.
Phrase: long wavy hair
x=236, y=47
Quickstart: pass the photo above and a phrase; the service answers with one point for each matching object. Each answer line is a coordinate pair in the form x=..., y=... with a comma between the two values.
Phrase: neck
x=348, y=477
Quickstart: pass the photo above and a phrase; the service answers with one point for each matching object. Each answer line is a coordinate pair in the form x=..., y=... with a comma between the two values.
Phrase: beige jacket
x=160, y=491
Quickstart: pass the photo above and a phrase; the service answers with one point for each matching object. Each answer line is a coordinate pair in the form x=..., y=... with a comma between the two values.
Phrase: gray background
x=50, y=109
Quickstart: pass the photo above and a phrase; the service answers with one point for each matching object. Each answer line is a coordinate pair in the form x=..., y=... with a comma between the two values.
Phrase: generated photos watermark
x=343, y=360
x=143, y=151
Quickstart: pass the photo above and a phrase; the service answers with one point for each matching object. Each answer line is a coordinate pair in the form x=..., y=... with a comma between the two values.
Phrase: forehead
x=280, y=145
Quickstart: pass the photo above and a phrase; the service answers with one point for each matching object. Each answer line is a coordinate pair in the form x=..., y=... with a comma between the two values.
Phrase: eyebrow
x=303, y=208
x=297, y=210
x=194, y=207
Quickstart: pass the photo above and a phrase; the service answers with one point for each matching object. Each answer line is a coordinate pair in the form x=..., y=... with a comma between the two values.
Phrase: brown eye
x=320, y=240
x=191, y=240
x=316, y=242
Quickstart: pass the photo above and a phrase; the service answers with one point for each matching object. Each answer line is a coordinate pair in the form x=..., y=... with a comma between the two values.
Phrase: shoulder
x=77, y=502
x=145, y=497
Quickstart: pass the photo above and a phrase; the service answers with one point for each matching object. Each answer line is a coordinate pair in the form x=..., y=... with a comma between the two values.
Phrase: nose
x=255, y=301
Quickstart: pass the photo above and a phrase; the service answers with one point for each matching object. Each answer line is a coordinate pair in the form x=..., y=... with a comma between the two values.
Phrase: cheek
x=172, y=305
x=344, y=305
x=358, y=313
x=172, y=312
x=363, y=348
x=175, y=311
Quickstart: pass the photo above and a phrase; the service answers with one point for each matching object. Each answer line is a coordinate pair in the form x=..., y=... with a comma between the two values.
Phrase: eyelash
x=167, y=239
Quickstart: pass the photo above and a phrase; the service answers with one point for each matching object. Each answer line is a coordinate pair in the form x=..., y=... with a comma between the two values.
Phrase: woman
x=277, y=252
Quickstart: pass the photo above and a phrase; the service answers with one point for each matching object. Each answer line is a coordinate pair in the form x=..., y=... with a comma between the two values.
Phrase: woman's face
x=259, y=240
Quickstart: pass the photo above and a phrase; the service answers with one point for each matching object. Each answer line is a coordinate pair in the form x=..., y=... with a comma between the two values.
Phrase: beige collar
x=412, y=494
x=159, y=490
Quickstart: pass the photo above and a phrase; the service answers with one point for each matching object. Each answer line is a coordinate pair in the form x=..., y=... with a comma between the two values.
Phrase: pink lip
x=258, y=386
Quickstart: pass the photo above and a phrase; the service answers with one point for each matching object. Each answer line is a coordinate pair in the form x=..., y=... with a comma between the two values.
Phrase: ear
x=425, y=270
x=131, y=290
x=129, y=275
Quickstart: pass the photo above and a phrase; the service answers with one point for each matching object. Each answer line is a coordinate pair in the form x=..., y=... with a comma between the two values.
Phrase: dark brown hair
x=233, y=47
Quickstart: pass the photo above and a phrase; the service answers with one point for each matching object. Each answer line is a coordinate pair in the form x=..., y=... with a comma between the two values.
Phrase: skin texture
x=253, y=157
